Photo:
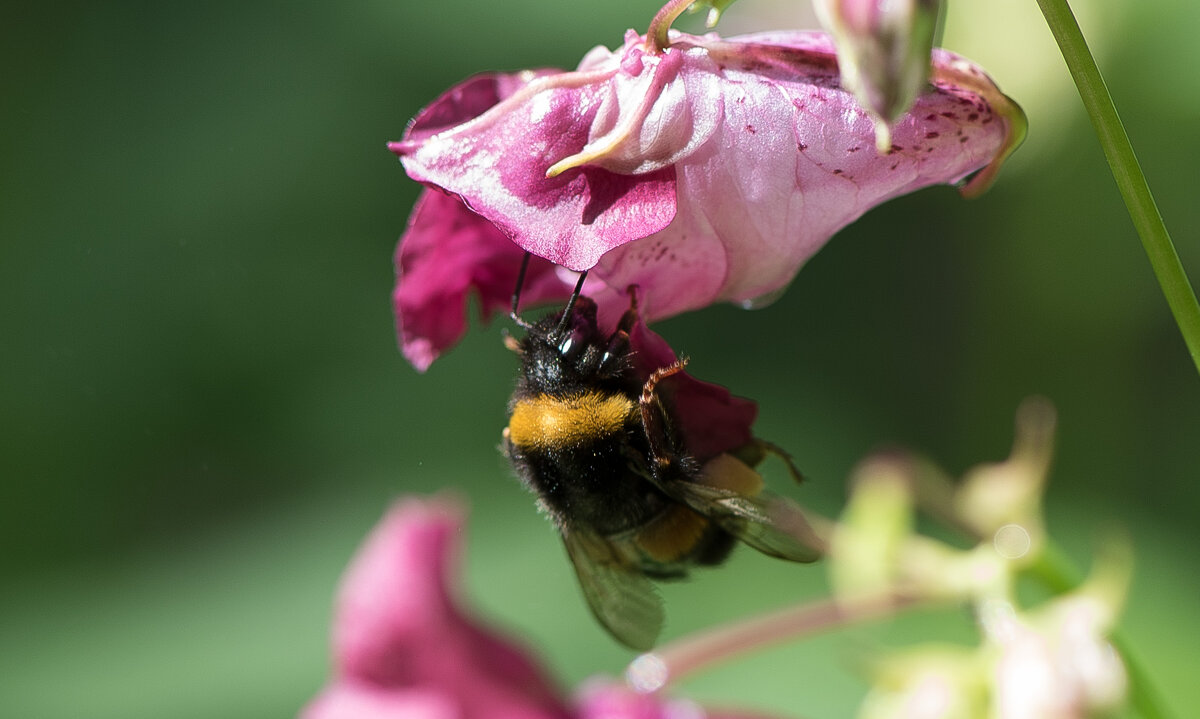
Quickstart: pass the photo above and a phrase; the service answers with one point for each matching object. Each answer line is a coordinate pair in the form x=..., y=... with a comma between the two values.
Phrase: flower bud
x=1004, y=500
x=883, y=49
x=928, y=682
x=877, y=522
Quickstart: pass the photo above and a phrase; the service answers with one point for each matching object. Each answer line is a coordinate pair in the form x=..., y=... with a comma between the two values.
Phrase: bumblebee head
x=566, y=350
x=563, y=352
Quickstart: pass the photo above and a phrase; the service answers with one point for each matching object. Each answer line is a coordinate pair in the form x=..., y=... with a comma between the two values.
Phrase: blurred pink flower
x=403, y=649
x=606, y=700
x=709, y=171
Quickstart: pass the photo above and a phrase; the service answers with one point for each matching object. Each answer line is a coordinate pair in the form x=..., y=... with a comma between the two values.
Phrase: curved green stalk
x=656, y=34
x=1127, y=172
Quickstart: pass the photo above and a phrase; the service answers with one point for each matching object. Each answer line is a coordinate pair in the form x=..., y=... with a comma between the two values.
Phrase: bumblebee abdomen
x=674, y=535
x=546, y=423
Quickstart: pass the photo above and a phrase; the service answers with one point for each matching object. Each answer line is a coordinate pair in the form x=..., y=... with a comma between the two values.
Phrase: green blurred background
x=202, y=408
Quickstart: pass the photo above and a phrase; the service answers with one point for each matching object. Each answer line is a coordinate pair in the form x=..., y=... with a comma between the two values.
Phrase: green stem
x=1056, y=572
x=1127, y=172
x=656, y=35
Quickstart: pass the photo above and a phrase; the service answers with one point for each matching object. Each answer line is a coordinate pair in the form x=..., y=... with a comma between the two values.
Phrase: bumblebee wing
x=731, y=494
x=771, y=524
x=622, y=599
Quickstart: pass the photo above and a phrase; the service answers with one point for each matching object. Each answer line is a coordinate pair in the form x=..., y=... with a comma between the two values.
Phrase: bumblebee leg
x=614, y=358
x=781, y=453
x=653, y=416
x=757, y=450
x=630, y=317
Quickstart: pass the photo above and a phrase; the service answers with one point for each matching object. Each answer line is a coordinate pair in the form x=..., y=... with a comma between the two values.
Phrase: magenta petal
x=793, y=162
x=468, y=100
x=709, y=418
x=353, y=700
x=446, y=253
x=400, y=640
x=497, y=163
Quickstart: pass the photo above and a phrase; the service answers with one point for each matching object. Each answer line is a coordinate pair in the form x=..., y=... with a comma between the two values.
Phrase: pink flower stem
x=683, y=657
x=656, y=34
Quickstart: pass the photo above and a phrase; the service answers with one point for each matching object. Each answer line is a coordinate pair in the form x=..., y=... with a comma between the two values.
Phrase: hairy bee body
x=597, y=444
x=585, y=455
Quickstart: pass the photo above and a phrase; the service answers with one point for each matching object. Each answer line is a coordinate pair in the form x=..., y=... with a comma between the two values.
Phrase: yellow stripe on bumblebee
x=547, y=422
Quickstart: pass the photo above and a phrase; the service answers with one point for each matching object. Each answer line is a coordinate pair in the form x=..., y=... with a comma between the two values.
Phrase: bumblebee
x=596, y=442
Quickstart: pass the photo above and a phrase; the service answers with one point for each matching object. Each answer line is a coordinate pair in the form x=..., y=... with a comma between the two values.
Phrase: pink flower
x=403, y=649
x=709, y=171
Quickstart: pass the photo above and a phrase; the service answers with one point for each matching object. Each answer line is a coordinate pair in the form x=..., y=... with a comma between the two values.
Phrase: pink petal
x=792, y=163
x=353, y=700
x=649, y=116
x=497, y=163
x=446, y=253
x=468, y=100
x=399, y=638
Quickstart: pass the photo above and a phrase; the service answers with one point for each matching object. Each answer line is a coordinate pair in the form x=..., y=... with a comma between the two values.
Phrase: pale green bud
x=883, y=49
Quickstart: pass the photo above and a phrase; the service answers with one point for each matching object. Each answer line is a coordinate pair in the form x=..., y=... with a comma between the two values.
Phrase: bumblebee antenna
x=516, y=296
x=566, y=315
